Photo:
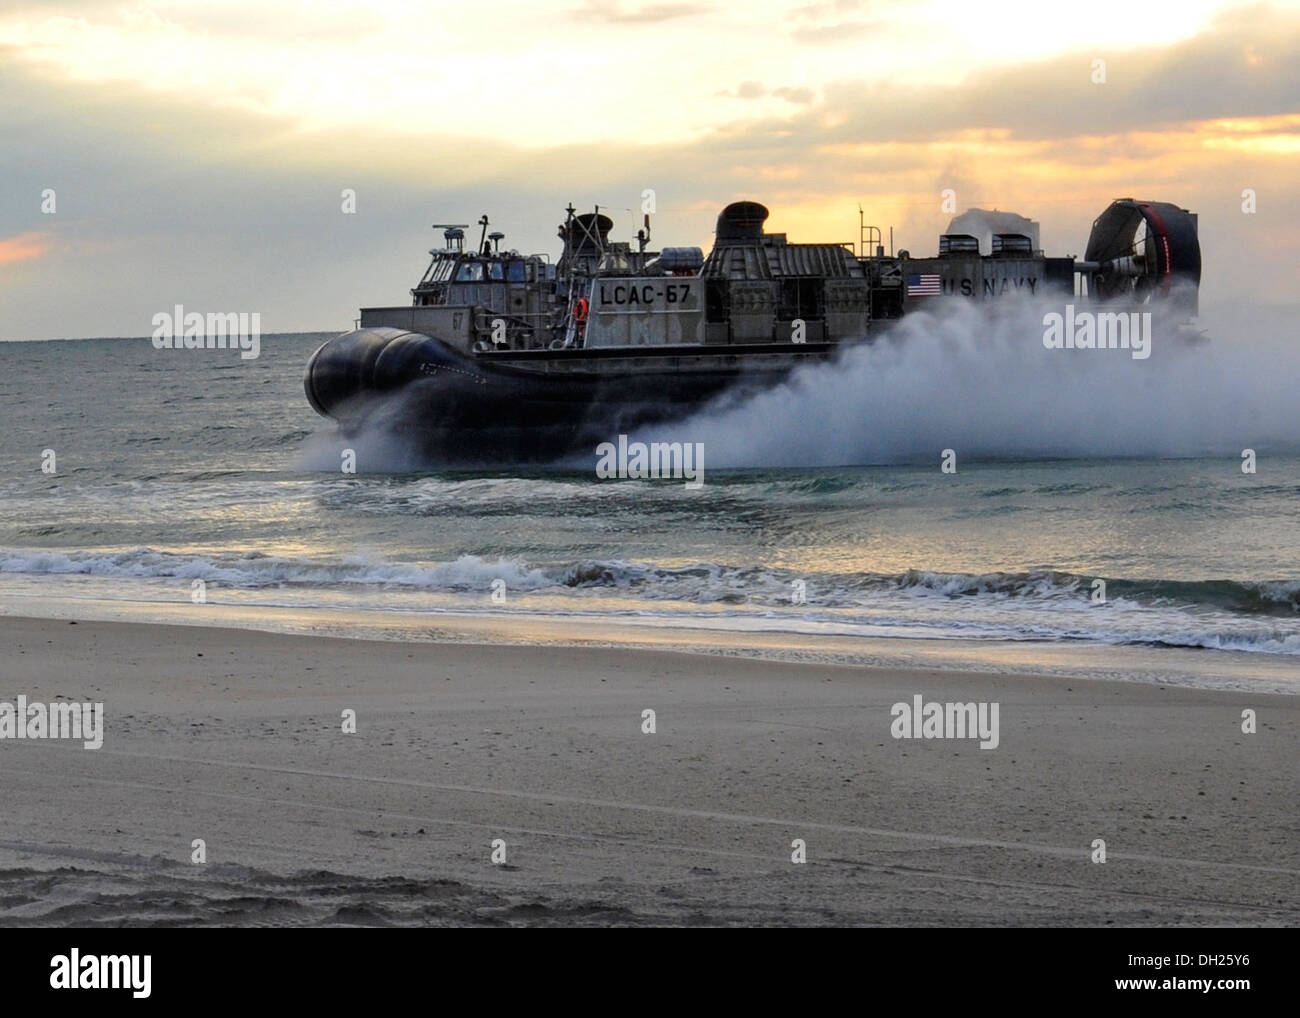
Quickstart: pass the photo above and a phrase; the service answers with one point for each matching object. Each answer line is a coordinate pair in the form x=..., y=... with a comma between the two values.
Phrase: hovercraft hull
x=468, y=410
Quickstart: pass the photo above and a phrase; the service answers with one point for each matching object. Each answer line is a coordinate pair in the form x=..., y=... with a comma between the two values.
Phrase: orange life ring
x=580, y=308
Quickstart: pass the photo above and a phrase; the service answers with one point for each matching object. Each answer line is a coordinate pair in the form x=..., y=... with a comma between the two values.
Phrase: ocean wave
x=1280, y=597
x=1258, y=643
x=254, y=569
x=697, y=581
x=1041, y=604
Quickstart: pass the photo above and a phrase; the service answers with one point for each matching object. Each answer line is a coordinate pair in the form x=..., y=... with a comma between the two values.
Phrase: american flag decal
x=923, y=284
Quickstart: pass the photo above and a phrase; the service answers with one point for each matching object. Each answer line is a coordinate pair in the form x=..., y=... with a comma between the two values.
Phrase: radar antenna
x=453, y=234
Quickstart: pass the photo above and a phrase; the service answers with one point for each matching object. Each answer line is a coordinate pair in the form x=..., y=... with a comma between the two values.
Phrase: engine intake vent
x=741, y=222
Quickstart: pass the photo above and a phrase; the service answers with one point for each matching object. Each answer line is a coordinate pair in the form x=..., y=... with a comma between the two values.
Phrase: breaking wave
x=697, y=581
x=1044, y=604
x=254, y=570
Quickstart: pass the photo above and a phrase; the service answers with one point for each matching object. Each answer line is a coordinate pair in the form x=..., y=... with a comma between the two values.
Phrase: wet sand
x=234, y=737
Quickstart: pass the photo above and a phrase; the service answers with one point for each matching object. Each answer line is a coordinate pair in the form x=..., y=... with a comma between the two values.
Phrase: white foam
x=257, y=570
x=977, y=379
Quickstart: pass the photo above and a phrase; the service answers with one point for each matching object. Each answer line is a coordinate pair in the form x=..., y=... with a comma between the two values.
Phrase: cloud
x=823, y=10
x=801, y=95
x=1242, y=67
x=164, y=198
x=845, y=31
x=825, y=22
x=615, y=12
x=26, y=247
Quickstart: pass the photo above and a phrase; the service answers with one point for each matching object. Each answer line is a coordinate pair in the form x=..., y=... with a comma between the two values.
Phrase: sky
x=198, y=152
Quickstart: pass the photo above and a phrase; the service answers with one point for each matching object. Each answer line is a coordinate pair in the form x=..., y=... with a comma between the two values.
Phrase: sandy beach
x=236, y=737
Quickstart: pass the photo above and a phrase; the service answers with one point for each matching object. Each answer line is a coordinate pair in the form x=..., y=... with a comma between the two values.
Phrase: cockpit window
x=515, y=272
x=496, y=271
x=439, y=270
x=470, y=272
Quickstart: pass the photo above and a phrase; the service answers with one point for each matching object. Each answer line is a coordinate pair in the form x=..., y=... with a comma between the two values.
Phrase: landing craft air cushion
x=506, y=358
